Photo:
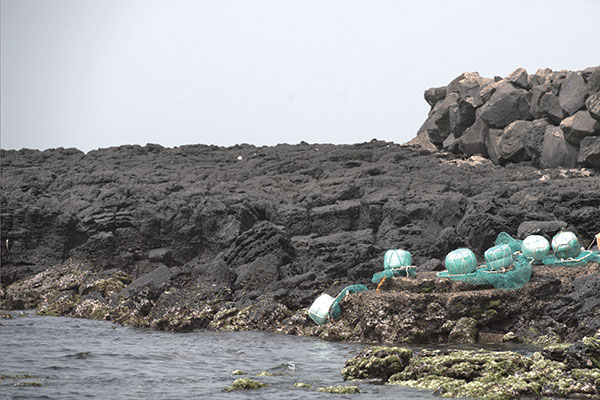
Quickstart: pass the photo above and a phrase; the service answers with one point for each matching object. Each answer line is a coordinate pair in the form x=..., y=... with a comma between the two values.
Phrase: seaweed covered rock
x=377, y=363
x=496, y=375
x=340, y=389
x=244, y=384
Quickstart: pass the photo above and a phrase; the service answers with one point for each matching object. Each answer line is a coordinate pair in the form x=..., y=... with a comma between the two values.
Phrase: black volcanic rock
x=593, y=105
x=556, y=151
x=589, y=156
x=573, y=93
x=506, y=105
x=505, y=119
x=578, y=126
x=433, y=95
x=550, y=106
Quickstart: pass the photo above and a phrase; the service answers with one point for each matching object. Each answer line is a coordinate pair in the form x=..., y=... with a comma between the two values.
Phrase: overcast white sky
x=89, y=74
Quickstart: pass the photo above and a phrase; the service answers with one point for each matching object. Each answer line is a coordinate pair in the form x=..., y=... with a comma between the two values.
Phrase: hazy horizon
x=90, y=74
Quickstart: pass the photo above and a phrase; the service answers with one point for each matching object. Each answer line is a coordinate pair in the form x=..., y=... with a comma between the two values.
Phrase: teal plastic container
x=460, y=262
x=319, y=310
x=396, y=258
x=565, y=245
x=536, y=247
x=498, y=257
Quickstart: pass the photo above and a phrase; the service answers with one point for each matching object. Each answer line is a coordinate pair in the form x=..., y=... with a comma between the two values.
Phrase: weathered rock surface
x=589, y=156
x=578, y=126
x=493, y=118
x=560, y=370
x=556, y=151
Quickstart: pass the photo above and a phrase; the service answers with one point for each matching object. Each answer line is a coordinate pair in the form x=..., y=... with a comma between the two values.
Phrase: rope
x=381, y=284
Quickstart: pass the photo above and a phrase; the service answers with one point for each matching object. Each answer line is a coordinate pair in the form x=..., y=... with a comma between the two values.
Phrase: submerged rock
x=244, y=384
x=340, y=389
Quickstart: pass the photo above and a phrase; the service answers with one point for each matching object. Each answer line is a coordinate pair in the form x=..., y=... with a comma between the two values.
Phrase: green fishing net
x=392, y=272
x=581, y=259
x=335, y=311
x=514, y=277
x=505, y=238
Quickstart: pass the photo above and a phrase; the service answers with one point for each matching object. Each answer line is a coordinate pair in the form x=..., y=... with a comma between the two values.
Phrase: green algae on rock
x=495, y=375
x=340, y=389
x=238, y=372
x=378, y=362
x=244, y=384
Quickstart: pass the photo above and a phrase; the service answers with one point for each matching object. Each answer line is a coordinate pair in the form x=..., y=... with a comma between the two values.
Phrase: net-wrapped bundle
x=506, y=267
x=499, y=257
x=396, y=262
x=460, y=262
x=319, y=310
x=335, y=311
x=399, y=261
x=565, y=245
x=326, y=308
x=535, y=247
x=566, y=252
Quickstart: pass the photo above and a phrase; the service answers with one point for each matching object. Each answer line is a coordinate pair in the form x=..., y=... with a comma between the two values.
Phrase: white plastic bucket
x=319, y=310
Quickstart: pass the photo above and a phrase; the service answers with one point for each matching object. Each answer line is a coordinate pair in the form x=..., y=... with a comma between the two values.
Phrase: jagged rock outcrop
x=507, y=119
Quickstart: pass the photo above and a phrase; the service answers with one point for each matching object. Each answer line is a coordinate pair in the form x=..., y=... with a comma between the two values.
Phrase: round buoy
x=565, y=245
x=498, y=257
x=396, y=258
x=536, y=247
x=460, y=262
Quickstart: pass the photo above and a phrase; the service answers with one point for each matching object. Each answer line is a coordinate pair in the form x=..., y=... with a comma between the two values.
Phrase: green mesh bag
x=505, y=238
x=508, y=279
x=335, y=311
x=396, y=258
x=514, y=277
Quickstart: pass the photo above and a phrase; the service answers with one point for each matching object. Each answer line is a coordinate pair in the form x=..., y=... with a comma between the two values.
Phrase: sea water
x=79, y=359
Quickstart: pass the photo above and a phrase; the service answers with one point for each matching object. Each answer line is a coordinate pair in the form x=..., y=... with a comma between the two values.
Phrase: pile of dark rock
x=550, y=118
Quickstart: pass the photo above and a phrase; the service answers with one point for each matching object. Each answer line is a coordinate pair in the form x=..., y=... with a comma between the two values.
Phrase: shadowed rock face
x=496, y=117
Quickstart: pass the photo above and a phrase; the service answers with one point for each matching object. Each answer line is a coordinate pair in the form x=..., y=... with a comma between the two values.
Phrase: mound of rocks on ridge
x=550, y=118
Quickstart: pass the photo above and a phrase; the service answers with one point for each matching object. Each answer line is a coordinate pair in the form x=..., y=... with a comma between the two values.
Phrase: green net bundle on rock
x=506, y=267
x=499, y=257
x=326, y=308
x=535, y=247
x=504, y=238
x=566, y=252
x=396, y=262
x=335, y=311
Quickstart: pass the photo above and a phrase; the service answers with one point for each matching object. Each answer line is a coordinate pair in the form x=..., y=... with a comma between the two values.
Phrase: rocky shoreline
x=558, y=371
x=246, y=237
